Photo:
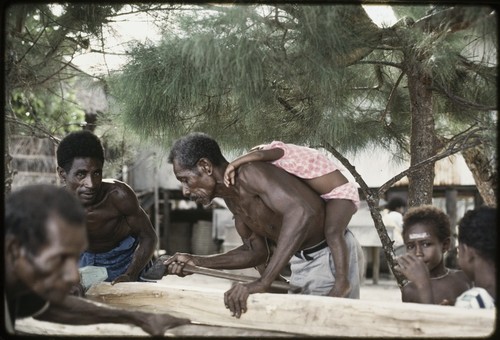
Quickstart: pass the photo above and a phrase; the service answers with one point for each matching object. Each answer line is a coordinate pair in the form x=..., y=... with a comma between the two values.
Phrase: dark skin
x=423, y=266
x=480, y=270
x=338, y=211
x=266, y=202
x=52, y=271
x=113, y=213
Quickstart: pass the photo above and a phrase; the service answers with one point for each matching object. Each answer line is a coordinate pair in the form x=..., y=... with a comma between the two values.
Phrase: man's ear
x=205, y=166
x=62, y=173
x=466, y=253
x=12, y=248
x=446, y=244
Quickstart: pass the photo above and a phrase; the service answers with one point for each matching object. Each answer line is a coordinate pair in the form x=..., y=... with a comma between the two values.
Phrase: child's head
x=426, y=233
x=477, y=234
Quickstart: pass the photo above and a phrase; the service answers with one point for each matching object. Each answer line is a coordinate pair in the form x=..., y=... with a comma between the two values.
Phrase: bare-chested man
x=44, y=235
x=270, y=207
x=121, y=237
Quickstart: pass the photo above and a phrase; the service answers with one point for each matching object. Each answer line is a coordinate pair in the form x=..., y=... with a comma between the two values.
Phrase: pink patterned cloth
x=348, y=191
x=308, y=163
x=302, y=161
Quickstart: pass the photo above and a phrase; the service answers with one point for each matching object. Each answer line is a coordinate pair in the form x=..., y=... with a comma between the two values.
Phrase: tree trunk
x=420, y=186
x=484, y=173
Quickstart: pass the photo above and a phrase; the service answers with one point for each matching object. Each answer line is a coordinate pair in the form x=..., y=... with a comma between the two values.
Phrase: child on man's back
x=323, y=176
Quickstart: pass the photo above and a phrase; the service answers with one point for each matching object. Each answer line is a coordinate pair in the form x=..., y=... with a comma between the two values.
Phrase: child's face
x=422, y=241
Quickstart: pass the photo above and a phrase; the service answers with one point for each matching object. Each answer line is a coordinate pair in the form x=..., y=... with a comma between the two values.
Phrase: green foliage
x=305, y=74
x=41, y=41
x=58, y=113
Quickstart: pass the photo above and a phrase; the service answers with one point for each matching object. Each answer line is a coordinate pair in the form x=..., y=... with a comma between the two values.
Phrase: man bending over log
x=121, y=237
x=44, y=236
x=272, y=209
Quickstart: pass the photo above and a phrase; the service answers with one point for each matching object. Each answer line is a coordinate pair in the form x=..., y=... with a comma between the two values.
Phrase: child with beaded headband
x=426, y=234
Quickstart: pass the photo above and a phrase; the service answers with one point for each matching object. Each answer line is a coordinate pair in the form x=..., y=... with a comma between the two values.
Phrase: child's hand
x=412, y=268
x=229, y=175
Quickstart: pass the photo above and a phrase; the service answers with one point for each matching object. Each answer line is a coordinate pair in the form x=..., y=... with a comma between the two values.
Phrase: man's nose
x=89, y=182
x=71, y=273
x=185, y=190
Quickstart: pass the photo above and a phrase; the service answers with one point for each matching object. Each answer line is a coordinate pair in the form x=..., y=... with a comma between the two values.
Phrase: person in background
x=44, y=235
x=427, y=237
x=392, y=215
x=120, y=235
x=325, y=178
x=477, y=242
x=279, y=218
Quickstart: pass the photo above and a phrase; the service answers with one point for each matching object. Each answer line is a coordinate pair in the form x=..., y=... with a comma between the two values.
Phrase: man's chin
x=87, y=200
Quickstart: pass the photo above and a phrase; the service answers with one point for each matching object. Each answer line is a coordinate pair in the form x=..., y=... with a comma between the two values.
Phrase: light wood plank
x=301, y=314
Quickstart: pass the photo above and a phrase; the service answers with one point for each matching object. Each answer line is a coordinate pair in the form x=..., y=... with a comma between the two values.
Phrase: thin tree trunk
x=420, y=182
x=484, y=173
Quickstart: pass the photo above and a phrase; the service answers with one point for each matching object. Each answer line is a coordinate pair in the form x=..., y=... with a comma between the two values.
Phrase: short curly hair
x=478, y=229
x=188, y=150
x=79, y=144
x=28, y=209
x=431, y=216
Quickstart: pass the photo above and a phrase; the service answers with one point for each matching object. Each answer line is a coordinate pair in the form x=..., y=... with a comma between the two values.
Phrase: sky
x=139, y=27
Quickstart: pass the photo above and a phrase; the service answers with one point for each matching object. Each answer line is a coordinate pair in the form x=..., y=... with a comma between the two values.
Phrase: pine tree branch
x=452, y=19
x=456, y=144
x=380, y=62
x=391, y=95
x=35, y=129
x=462, y=101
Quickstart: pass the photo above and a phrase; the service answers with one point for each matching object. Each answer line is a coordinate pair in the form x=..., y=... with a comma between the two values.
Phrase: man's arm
x=78, y=311
x=302, y=223
x=126, y=202
x=301, y=208
x=251, y=253
x=268, y=155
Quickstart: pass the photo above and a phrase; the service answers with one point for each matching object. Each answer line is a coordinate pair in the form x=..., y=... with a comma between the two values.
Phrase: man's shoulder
x=257, y=175
x=115, y=186
x=118, y=192
x=258, y=169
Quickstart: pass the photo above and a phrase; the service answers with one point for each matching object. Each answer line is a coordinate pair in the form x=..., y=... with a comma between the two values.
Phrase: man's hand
x=77, y=290
x=342, y=288
x=123, y=278
x=229, y=175
x=413, y=268
x=158, y=324
x=175, y=264
x=236, y=298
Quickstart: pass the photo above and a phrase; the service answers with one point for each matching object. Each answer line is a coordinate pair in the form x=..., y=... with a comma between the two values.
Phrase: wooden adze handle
x=237, y=277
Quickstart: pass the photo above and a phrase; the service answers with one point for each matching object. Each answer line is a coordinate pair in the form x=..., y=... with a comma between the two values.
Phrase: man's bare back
x=268, y=204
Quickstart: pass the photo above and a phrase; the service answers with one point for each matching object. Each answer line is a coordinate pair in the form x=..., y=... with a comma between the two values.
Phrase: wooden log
x=36, y=327
x=301, y=314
